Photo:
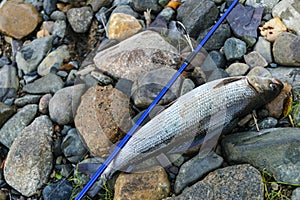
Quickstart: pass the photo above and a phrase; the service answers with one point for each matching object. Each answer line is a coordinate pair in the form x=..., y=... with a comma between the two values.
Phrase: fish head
x=266, y=88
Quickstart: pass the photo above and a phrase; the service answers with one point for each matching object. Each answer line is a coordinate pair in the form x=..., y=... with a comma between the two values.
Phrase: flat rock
x=47, y=84
x=263, y=47
x=150, y=184
x=102, y=118
x=96, y=4
x=122, y=26
x=237, y=69
x=277, y=150
x=53, y=60
x=289, y=12
x=29, y=161
x=260, y=71
x=234, y=182
x=234, y=49
x=136, y=55
x=64, y=103
x=18, y=19
x=197, y=17
x=244, y=20
x=143, y=5
x=255, y=59
x=9, y=82
x=60, y=190
x=27, y=99
x=13, y=127
x=286, y=49
x=266, y=4
x=6, y=112
x=194, y=169
x=80, y=18
x=31, y=54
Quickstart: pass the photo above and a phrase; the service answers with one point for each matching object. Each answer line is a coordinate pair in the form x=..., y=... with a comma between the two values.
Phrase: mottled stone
x=192, y=170
x=234, y=49
x=97, y=4
x=54, y=60
x=122, y=26
x=277, y=150
x=31, y=54
x=13, y=127
x=18, y=19
x=296, y=194
x=136, y=55
x=64, y=103
x=218, y=58
x=59, y=28
x=49, y=6
x=143, y=5
x=58, y=15
x=272, y=29
x=267, y=4
x=6, y=112
x=286, y=49
x=263, y=47
x=233, y=182
x=27, y=99
x=237, y=69
x=197, y=17
x=254, y=59
x=80, y=18
x=102, y=118
x=9, y=82
x=260, y=71
x=29, y=161
x=60, y=190
x=150, y=184
x=44, y=103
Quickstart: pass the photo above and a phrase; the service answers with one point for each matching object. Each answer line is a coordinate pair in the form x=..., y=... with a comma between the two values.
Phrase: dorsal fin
x=228, y=80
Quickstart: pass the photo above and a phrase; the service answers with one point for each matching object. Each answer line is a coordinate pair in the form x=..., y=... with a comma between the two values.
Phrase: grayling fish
x=203, y=112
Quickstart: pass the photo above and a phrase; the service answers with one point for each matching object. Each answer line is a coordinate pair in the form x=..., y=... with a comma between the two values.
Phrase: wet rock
x=237, y=69
x=102, y=118
x=289, y=12
x=80, y=18
x=150, y=184
x=72, y=146
x=142, y=5
x=64, y=103
x=245, y=24
x=30, y=158
x=59, y=28
x=44, y=103
x=266, y=123
x=59, y=190
x=267, y=4
x=101, y=78
x=234, y=182
x=218, y=39
x=18, y=19
x=147, y=87
x=192, y=170
x=286, y=49
x=54, y=60
x=276, y=150
x=260, y=71
x=27, y=99
x=122, y=26
x=296, y=194
x=263, y=47
x=47, y=84
x=129, y=59
x=254, y=59
x=272, y=29
x=6, y=112
x=234, y=49
x=31, y=54
x=197, y=17
x=13, y=127
x=9, y=82
x=49, y=6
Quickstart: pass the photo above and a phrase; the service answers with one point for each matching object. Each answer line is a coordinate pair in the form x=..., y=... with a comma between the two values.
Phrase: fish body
x=202, y=112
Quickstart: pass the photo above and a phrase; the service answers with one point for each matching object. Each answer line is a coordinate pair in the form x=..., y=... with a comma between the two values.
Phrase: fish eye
x=272, y=86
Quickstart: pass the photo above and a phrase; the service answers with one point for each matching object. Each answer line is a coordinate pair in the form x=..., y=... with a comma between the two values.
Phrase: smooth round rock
x=234, y=49
x=60, y=190
x=263, y=47
x=237, y=69
x=255, y=59
x=6, y=112
x=80, y=18
x=260, y=71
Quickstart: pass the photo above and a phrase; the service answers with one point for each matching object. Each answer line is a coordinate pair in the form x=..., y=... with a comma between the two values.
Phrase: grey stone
x=13, y=127
x=136, y=55
x=73, y=147
x=194, y=169
x=254, y=59
x=64, y=103
x=237, y=69
x=97, y=4
x=277, y=150
x=218, y=58
x=31, y=54
x=49, y=6
x=296, y=194
x=143, y=5
x=218, y=73
x=80, y=18
x=58, y=15
x=267, y=4
x=289, y=12
x=59, y=28
x=126, y=9
x=197, y=17
x=44, y=103
x=4, y=61
x=60, y=190
x=234, y=49
x=244, y=20
x=167, y=13
x=260, y=71
x=47, y=84
x=286, y=49
x=54, y=60
x=233, y=182
x=266, y=123
x=187, y=86
x=29, y=161
x=218, y=39
x=9, y=82
x=6, y=112
x=27, y=99
x=122, y=2
x=263, y=47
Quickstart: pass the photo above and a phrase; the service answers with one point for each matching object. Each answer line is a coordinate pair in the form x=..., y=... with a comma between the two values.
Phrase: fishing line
x=152, y=105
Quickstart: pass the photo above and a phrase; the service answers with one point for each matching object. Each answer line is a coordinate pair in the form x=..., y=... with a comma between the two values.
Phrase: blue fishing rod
x=153, y=104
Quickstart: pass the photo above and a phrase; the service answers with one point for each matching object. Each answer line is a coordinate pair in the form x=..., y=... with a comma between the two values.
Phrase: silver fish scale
x=204, y=109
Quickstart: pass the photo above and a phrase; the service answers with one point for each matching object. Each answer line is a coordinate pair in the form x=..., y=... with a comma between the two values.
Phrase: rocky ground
x=73, y=75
